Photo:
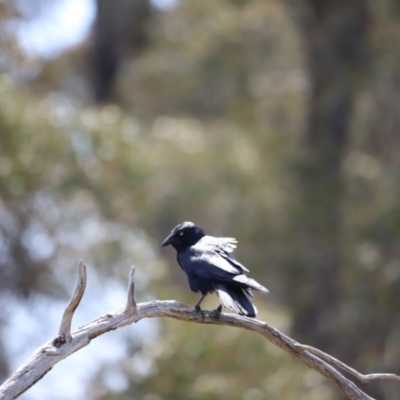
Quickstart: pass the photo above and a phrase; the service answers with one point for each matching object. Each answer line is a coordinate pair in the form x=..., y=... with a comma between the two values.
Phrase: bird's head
x=184, y=235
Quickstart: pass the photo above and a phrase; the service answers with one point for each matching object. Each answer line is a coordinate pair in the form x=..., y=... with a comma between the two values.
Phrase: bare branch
x=64, y=332
x=44, y=358
x=131, y=307
x=339, y=364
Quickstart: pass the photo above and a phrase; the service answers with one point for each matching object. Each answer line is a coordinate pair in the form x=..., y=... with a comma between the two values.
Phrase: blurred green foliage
x=209, y=122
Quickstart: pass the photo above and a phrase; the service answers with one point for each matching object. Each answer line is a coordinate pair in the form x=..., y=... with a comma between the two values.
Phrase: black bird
x=210, y=268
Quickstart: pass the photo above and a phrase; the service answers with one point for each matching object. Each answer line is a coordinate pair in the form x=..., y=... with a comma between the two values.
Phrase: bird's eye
x=181, y=234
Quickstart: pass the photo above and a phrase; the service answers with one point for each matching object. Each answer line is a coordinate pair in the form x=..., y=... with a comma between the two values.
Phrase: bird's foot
x=199, y=310
x=216, y=313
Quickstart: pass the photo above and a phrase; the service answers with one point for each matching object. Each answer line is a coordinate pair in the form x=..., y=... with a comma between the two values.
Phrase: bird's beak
x=168, y=241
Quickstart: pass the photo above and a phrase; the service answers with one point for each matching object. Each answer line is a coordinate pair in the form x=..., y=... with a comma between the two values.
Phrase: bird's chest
x=190, y=262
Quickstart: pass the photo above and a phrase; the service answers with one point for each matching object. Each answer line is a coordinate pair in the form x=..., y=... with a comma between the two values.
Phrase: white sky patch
x=165, y=4
x=61, y=25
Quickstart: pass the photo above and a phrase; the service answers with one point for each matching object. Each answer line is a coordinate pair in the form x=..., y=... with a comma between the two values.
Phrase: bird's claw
x=216, y=313
x=199, y=310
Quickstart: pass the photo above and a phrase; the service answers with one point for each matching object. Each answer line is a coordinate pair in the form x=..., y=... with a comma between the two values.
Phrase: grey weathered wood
x=64, y=332
x=52, y=352
x=337, y=363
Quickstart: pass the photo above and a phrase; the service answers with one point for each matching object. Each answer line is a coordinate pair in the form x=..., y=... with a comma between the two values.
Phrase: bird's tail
x=246, y=281
x=234, y=298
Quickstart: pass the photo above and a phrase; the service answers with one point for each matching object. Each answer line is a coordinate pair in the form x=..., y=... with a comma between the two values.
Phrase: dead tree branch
x=64, y=332
x=65, y=343
x=338, y=364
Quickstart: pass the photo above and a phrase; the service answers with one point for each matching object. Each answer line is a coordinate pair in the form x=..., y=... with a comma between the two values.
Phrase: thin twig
x=339, y=364
x=64, y=332
x=131, y=307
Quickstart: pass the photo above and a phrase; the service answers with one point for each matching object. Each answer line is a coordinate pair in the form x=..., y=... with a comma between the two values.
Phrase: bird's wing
x=207, y=265
x=206, y=261
x=223, y=246
x=233, y=261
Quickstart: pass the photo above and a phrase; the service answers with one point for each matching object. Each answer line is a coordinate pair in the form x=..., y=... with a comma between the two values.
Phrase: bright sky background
x=63, y=24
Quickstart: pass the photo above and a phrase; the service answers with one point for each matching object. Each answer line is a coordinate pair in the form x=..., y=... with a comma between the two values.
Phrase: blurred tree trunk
x=335, y=41
x=119, y=31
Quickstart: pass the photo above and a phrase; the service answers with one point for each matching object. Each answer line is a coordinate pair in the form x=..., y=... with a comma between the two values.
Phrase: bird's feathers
x=233, y=261
x=220, y=247
x=251, y=283
x=223, y=246
x=233, y=298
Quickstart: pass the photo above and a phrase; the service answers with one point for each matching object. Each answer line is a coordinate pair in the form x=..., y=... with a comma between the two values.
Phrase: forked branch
x=65, y=343
x=64, y=332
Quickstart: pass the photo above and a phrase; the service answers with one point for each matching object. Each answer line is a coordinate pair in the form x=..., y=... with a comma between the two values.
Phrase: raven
x=210, y=268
